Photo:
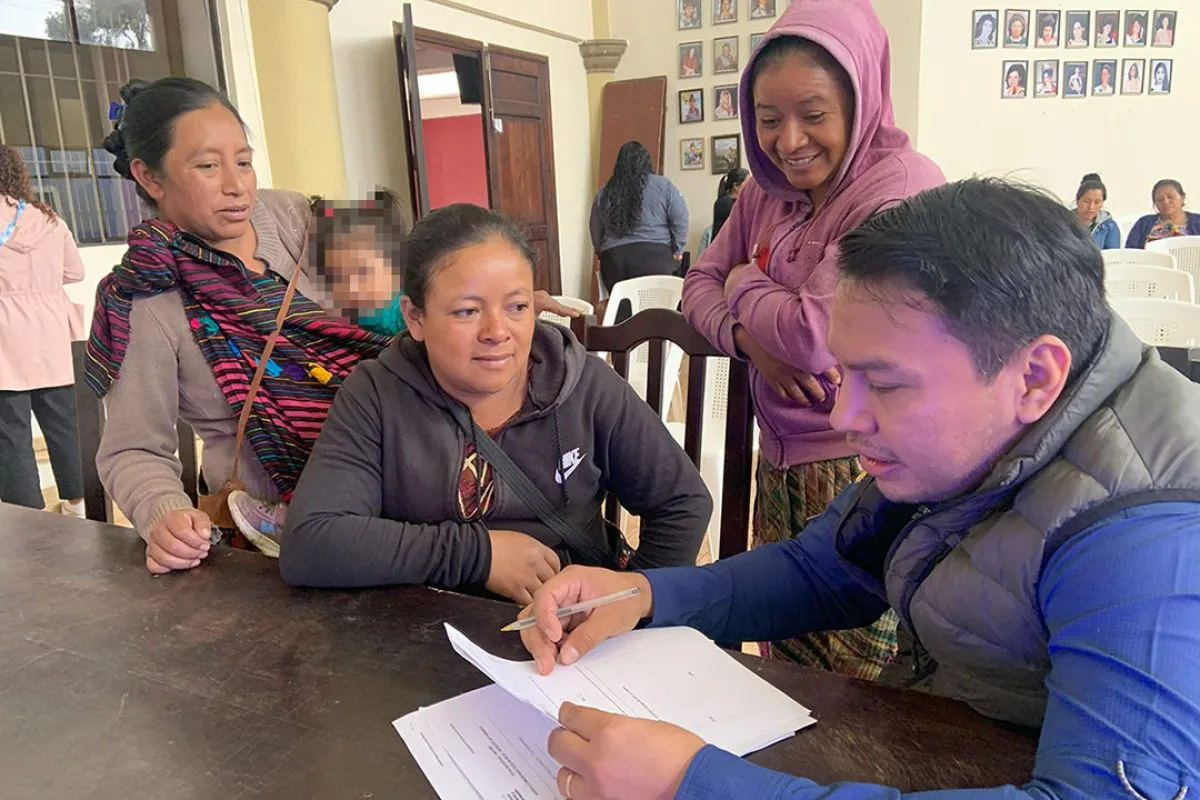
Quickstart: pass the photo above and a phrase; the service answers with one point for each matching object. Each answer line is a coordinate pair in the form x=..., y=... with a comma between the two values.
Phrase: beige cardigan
x=164, y=377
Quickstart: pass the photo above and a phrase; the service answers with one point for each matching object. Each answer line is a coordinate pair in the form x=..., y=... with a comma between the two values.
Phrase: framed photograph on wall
x=691, y=106
x=1137, y=28
x=1133, y=76
x=1048, y=28
x=755, y=38
x=725, y=55
x=762, y=9
x=691, y=59
x=689, y=15
x=1075, y=79
x=1162, y=73
x=691, y=153
x=1164, y=29
x=1016, y=28
x=984, y=27
x=725, y=11
x=1078, y=32
x=1108, y=28
x=1104, y=78
x=1015, y=80
x=1045, y=76
x=725, y=101
x=726, y=153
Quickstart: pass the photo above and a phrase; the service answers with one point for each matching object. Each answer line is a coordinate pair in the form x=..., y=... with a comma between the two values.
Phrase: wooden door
x=521, y=152
x=633, y=110
x=414, y=137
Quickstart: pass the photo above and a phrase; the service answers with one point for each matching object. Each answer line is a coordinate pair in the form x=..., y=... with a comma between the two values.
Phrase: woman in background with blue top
x=1089, y=209
x=1171, y=219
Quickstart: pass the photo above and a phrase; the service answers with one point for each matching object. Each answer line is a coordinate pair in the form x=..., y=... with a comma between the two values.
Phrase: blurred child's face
x=361, y=276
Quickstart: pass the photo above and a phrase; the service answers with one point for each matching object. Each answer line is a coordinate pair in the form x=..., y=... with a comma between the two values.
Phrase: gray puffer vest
x=964, y=574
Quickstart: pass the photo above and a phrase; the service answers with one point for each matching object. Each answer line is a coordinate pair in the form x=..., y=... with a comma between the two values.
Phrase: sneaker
x=261, y=523
x=69, y=509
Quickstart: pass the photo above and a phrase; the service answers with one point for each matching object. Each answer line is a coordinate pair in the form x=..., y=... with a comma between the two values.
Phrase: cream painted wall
x=369, y=96
x=650, y=29
x=903, y=21
x=967, y=128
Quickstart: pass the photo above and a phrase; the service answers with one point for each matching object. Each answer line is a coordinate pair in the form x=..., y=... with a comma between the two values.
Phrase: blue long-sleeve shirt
x=1141, y=229
x=1121, y=601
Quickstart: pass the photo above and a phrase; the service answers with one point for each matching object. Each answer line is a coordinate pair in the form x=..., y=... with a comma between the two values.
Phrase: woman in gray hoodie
x=399, y=488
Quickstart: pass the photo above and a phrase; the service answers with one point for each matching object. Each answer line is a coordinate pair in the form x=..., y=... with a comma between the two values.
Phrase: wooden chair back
x=656, y=327
x=89, y=411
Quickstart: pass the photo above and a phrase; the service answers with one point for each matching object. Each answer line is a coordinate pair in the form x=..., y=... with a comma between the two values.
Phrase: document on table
x=491, y=743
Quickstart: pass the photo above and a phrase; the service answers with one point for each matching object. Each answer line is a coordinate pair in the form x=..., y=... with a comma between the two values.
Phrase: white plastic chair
x=1140, y=280
x=650, y=291
x=1143, y=257
x=1169, y=323
x=582, y=306
x=1186, y=250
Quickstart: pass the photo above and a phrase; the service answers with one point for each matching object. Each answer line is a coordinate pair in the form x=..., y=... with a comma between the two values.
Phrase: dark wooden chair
x=89, y=411
x=656, y=327
x=1184, y=359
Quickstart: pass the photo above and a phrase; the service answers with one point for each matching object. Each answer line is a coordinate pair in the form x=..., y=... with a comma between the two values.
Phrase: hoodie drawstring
x=558, y=448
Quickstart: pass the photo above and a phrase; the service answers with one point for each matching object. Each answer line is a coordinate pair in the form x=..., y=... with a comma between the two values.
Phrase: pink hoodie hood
x=853, y=35
x=33, y=226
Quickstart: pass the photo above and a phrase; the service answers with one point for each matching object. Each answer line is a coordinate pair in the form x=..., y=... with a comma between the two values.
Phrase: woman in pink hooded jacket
x=37, y=323
x=825, y=154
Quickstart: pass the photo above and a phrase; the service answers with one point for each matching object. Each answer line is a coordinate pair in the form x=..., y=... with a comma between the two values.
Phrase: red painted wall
x=455, y=161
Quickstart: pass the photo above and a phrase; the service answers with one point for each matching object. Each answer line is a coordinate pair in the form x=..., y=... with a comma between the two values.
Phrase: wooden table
x=223, y=682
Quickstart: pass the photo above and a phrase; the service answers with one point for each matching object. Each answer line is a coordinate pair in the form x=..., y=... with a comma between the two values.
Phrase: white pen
x=575, y=608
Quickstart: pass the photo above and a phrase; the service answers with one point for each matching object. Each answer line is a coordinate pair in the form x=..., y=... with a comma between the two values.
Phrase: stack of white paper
x=491, y=743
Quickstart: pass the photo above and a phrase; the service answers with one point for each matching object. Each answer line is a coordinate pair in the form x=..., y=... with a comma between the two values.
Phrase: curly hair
x=621, y=198
x=14, y=180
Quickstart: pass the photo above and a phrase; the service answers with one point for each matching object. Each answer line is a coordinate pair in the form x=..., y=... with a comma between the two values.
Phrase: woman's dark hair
x=1091, y=182
x=1017, y=68
x=380, y=213
x=1048, y=21
x=144, y=126
x=621, y=197
x=782, y=48
x=1165, y=182
x=447, y=230
x=731, y=180
x=979, y=24
x=14, y=180
x=978, y=277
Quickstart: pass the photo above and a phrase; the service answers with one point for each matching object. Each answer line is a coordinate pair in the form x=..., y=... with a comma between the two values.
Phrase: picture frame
x=1164, y=36
x=688, y=15
x=755, y=38
x=1160, y=82
x=726, y=153
x=1077, y=32
x=691, y=106
x=1046, y=78
x=725, y=101
x=725, y=55
x=1014, y=80
x=1104, y=77
x=1108, y=28
x=1048, y=32
x=691, y=154
x=1136, y=30
x=985, y=28
x=761, y=9
x=1133, y=76
x=1016, y=28
x=724, y=12
x=1074, y=79
x=691, y=60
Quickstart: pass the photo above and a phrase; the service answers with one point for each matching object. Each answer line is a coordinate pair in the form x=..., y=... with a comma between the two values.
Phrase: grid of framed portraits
x=690, y=14
x=1108, y=76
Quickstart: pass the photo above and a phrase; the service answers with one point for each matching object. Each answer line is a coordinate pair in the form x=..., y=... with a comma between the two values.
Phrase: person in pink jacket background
x=825, y=154
x=37, y=324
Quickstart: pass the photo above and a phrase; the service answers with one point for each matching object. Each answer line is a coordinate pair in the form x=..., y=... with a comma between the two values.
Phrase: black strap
x=531, y=495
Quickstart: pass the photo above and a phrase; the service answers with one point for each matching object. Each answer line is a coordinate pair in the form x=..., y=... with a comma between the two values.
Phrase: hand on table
x=543, y=301
x=179, y=540
x=520, y=565
x=788, y=382
x=612, y=757
x=545, y=641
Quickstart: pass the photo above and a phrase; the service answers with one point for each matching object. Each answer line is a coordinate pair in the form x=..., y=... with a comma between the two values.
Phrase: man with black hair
x=1032, y=513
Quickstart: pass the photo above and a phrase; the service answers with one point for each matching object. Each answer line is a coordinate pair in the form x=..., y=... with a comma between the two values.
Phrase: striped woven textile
x=231, y=312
